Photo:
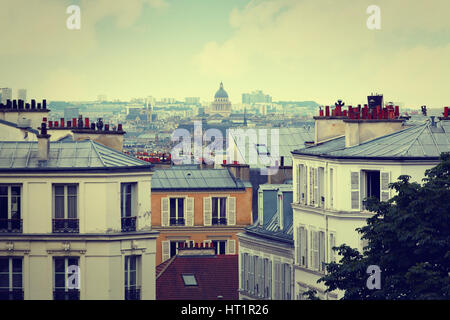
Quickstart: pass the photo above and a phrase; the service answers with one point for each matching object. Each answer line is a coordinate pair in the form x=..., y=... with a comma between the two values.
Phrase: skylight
x=189, y=280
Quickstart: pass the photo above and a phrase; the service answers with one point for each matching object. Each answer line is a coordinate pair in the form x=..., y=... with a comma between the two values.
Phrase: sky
x=317, y=50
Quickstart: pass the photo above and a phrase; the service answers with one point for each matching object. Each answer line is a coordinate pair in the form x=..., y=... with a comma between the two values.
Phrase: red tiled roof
x=215, y=275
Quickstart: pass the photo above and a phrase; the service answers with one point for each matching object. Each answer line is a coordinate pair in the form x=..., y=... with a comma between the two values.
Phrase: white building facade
x=76, y=225
x=334, y=176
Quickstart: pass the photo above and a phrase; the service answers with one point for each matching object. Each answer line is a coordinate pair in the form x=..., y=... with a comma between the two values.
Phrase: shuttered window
x=385, y=191
x=315, y=250
x=332, y=244
x=321, y=251
x=355, y=192
x=207, y=211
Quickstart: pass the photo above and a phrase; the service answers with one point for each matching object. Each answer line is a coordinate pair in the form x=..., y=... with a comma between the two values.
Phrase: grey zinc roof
x=85, y=154
x=14, y=125
x=272, y=230
x=194, y=179
x=420, y=141
x=289, y=139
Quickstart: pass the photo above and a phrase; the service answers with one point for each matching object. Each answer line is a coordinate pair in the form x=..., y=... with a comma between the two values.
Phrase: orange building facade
x=209, y=207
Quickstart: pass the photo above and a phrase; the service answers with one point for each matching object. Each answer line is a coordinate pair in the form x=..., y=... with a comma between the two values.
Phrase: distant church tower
x=221, y=104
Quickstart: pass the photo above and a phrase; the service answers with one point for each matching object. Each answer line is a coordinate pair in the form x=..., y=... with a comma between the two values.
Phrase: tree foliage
x=408, y=238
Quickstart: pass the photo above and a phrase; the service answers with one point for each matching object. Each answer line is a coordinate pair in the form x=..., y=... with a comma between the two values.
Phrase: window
x=189, y=280
x=10, y=220
x=66, y=284
x=332, y=244
x=286, y=282
x=302, y=253
x=321, y=187
x=220, y=246
x=315, y=250
x=301, y=184
x=331, y=188
x=132, y=290
x=261, y=149
x=372, y=184
x=219, y=211
x=11, y=278
x=267, y=278
x=177, y=212
x=321, y=251
x=127, y=199
x=174, y=245
x=65, y=208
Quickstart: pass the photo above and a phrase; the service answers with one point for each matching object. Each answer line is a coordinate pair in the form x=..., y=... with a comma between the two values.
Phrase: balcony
x=10, y=225
x=219, y=221
x=128, y=224
x=177, y=222
x=62, y=294
x=66, y=226
x=132, y=294
x=15, y=294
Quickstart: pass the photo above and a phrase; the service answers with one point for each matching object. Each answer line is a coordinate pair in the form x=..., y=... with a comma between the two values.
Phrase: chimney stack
x=43, y=143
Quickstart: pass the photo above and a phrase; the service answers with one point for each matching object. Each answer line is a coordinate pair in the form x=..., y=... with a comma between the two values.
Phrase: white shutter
x=207, y=211
x=355, y=202
x=314, y=250
x=305, y=184
x=331, y=196
x=270, y=280
x=316, y=188
x=332, y=244
x=231, y=211
x=165, y=212
x=303, y=247
x=277, y=280
x=189, y=212
x=385, y=179
x=311, y=186
x=242, y=273
x=321, y=251
x=251, y=275
x=231, y=247
x=299, y=183
x=165, y=250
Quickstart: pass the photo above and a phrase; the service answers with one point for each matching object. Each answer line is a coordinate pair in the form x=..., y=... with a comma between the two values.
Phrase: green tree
x=408, y=238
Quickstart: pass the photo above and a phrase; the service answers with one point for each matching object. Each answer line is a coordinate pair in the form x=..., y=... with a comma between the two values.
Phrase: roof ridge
x=425, y=125
x=169, y=262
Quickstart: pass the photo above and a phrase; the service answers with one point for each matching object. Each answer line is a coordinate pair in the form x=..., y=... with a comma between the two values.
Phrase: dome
x=221, y=93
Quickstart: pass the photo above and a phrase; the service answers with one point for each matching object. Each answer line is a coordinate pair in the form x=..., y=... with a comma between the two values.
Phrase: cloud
x=39, y=26
x=325, y=48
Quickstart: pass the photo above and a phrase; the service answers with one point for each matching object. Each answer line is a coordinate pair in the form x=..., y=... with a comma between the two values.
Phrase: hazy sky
x=291, y=49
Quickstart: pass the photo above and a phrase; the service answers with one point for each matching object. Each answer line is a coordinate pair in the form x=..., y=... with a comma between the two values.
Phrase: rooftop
x=65, y=155
x=423, y=141
x=195, y=179
x=214, y=276
x=289, y=140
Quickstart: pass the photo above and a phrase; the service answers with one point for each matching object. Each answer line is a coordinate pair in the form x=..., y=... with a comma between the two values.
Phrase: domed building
x=221, y=104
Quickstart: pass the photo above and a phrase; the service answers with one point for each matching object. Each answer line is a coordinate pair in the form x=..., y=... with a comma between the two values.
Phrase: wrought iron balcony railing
x=132, y=294
x=177, y=222
x=70, y=294
x=219, y=221
x=11, y=225
x=66, y=225
x=15, y=294
x=128, y=224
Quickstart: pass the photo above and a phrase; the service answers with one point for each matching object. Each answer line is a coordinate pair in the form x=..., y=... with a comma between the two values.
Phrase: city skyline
x=293, y=50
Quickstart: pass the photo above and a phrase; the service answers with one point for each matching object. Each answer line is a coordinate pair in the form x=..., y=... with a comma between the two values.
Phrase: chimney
x=197, y=250
x=239, y=171
x=43, y=143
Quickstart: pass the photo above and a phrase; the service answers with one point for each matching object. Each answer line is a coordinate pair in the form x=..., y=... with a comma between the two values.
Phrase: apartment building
x=75, y=222
x=266, y=249
x=193, y=205
x=355, y=156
